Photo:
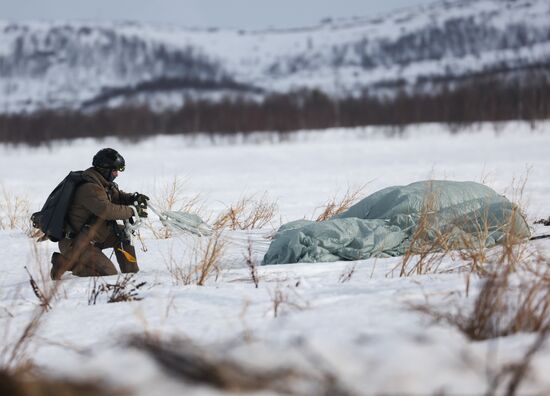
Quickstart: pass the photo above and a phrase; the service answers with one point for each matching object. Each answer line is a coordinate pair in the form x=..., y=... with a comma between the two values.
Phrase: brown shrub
x=336, y=205
x=246, y=214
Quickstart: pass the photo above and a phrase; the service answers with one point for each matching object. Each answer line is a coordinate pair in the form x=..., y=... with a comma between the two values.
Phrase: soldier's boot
x=60, y=265
x=126, y=258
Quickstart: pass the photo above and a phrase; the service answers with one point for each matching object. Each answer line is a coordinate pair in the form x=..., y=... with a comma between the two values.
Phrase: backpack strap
x=72, y=229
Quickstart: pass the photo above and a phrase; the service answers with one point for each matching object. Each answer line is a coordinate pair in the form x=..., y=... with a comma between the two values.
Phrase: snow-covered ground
x=362, y=330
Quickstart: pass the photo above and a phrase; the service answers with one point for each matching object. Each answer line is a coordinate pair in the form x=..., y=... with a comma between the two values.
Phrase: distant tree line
x=98, y=50
x=479, y=99
x=456, y=37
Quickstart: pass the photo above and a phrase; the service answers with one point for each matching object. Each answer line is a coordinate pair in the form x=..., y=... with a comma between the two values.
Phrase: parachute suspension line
x=143, y=245
x=191, y=223
x=183, y=221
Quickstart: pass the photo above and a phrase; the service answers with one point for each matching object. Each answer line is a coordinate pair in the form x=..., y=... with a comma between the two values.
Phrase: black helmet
x=108, y=158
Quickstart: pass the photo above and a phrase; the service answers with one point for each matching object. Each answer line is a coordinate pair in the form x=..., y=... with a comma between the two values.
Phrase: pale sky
x=246, y=14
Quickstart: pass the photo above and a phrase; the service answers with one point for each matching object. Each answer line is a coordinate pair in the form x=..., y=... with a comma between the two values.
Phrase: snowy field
x=361, y=332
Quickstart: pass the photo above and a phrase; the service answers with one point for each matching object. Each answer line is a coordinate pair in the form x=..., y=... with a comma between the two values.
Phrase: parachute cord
x=143, y=246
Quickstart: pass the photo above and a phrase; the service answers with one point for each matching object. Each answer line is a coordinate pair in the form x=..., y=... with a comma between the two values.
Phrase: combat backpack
x=51, y=219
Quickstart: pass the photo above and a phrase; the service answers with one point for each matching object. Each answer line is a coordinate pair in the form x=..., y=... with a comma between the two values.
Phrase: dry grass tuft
x=247, y=214
x=428, y=245
x=14, y=355
x=14, y=212
x=40, y=294
x=172, y=198
x=210, y=261
x=251, y=264
x=515, y=296
x=510, y=301
x=516, y=372
x=336, y=206
x=502, y=307
x=476, y=254
x=27, y=383
x=181, y=271
x=286, y=298
x=205, y=262
x=126, y=288
x=347, y=274
x=516, y=190
x=191, y=363
x=465, y=237
x=210, y=368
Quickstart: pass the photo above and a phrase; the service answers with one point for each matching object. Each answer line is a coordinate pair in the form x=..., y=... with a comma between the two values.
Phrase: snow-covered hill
x=81, y=65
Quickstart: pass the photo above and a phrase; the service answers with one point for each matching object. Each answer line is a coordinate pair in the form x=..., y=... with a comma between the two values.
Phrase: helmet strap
x=106, y=173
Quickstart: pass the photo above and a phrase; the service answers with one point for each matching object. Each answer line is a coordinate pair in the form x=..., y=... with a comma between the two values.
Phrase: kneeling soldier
x=91, y=222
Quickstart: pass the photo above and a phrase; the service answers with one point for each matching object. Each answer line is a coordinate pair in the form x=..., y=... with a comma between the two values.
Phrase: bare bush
x=336, y=205
x=125, y=288
x=246, y=214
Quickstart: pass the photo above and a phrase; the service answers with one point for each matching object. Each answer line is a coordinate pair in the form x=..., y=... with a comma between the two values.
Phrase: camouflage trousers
x=87, y=258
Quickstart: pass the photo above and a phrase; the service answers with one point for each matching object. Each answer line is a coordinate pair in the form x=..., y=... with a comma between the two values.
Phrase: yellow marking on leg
x=128, y=256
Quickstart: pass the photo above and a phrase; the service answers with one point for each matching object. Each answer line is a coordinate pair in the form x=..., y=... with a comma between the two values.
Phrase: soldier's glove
x=141, y=211
x=141, y=199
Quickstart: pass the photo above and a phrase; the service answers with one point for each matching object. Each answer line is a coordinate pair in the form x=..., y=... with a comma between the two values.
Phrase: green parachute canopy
x=436, y=214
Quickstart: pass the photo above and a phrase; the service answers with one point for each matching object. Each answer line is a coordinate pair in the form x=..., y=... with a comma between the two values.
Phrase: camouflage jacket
x=96, y=202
